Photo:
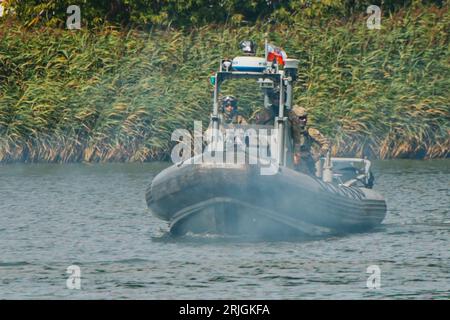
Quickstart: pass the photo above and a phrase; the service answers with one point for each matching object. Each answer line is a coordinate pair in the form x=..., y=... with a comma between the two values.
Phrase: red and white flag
x=276, y=54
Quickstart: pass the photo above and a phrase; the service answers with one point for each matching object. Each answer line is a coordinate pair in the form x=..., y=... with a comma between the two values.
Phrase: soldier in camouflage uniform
x=266, y=116
x=230, y=112
x=304, y=138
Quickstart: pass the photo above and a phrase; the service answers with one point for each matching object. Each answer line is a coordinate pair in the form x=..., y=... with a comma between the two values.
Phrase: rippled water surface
x=95, y=216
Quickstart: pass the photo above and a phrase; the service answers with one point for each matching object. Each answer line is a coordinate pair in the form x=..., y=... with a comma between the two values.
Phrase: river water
x=95, y=217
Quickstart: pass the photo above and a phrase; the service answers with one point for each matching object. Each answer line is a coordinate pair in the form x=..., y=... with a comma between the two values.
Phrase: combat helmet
x=229, y=101
x=299, y=116
x=299, y=111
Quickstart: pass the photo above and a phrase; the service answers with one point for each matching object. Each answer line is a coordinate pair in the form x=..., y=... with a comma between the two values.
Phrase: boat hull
x=235, y=199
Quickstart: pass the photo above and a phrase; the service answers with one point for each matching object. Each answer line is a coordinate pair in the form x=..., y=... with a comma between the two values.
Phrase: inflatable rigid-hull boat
x=237, y=199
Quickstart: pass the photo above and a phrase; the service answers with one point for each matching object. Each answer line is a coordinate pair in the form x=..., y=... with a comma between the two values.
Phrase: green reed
x=114, y=95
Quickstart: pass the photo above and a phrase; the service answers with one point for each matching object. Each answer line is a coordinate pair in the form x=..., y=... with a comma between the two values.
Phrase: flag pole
x=265, y=49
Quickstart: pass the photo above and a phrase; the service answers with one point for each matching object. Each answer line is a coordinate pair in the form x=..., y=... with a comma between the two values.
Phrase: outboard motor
x=352, y=171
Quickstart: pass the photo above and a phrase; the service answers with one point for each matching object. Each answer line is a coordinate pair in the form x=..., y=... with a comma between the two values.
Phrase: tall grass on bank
x=112, y=95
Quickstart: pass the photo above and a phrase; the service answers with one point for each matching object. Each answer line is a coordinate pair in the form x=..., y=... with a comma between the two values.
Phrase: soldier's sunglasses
x=301, y=118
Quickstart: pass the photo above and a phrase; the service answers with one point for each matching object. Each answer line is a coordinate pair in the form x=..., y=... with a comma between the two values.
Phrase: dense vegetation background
x=115, y=90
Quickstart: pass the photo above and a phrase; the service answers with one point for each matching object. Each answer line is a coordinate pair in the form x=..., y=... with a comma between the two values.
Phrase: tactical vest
x=302, y=141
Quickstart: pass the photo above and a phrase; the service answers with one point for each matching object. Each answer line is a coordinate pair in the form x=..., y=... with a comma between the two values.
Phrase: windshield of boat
x=249, y=98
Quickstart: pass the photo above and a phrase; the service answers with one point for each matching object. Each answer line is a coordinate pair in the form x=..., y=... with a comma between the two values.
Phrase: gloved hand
x=297, y=158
